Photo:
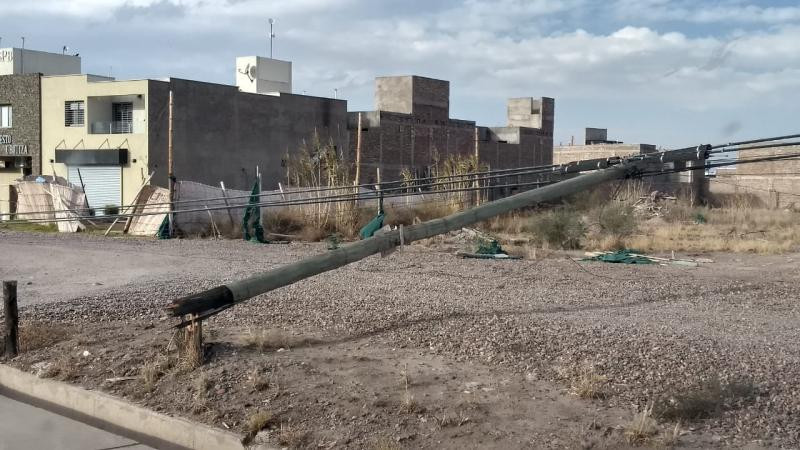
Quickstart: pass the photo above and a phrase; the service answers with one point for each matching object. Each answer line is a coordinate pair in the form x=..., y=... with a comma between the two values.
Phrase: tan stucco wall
x=56, y=90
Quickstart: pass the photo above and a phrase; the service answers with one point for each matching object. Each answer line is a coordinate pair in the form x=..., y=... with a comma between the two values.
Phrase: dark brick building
x=411, y=128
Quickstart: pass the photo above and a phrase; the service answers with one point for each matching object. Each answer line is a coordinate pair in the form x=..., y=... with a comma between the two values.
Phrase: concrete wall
x=567, y=153
x=532, y=113
x=56, y=90
x=16, y=61
x=222, y=134
x=23, y=93
x=776, y=184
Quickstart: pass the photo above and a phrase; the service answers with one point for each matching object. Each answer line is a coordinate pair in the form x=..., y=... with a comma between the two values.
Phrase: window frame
x=69, y=113
x=10, y=116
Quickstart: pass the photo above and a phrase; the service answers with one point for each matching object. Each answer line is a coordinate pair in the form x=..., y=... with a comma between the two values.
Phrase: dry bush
x=562, y=228
x=589, y=384
x=268, y=339
x=201, y=384
x=642, y=428
x=386, y=443
x=706, y=400
x=64, y=368
x=258, y=421
x=292, y=437
x=36, y=335
x=259, y=380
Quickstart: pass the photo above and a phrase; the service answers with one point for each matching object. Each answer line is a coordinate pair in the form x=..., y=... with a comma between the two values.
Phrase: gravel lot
x=653, y=331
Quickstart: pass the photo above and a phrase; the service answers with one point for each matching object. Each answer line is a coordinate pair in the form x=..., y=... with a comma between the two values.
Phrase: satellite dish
x=251, y=72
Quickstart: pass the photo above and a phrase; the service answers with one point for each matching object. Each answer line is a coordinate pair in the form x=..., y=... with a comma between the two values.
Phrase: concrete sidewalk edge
x=112, y=414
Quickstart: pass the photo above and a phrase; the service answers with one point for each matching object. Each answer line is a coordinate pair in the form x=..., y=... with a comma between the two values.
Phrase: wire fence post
x=12, y=318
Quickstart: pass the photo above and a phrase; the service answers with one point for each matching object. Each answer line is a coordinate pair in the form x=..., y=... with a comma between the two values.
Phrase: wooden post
x=191, y=346
x=477, y=169
x=358, y=152
x=170, y=168
x=225, y=198
x=131, y=208
x=12, y=318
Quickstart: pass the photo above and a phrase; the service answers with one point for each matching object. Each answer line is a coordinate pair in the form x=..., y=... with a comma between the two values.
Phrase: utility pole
x=208, y=303
x=22, y=58
x=358, y=152
x=170, y=169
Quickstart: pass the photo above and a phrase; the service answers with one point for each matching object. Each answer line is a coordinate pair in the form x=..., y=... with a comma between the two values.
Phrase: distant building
x=20, y=112
x=411, y=128
x=597, y=145
x=18, y=61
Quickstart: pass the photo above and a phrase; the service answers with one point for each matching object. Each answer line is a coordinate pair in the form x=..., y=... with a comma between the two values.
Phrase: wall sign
x=8, y=148
x=5, y=139
x=7, y=55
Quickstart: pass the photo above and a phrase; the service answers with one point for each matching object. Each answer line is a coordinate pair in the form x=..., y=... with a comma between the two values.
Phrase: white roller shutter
x=103, y=185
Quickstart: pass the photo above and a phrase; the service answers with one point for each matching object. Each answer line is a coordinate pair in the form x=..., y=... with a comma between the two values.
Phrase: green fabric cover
x=621, y=257
x=252, y=218
x=374, y=225
x=163, y=229
x=489, y=247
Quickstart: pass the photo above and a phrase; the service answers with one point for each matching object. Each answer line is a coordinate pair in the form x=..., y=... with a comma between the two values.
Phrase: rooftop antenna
x=335, y=93
x=22, y=57
x=271, y=36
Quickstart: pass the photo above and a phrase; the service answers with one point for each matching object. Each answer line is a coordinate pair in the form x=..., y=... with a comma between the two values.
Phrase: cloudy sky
x=668, y=72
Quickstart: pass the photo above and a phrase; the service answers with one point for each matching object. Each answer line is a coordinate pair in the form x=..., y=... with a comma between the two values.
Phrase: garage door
x=103, y=184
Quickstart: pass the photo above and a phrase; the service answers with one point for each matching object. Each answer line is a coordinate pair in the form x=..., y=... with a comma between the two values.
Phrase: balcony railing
x=117, y=127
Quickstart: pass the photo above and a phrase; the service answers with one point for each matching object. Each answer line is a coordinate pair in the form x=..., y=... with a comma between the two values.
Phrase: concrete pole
x=170, y=169
x=208, y=303
x=358, y=152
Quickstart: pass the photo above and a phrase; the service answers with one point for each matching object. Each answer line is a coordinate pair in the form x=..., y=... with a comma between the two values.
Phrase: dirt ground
x=422, y=349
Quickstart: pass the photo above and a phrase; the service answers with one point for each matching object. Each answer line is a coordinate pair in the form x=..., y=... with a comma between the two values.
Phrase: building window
x=73, y=114
x=122, y=114
x=5, y=116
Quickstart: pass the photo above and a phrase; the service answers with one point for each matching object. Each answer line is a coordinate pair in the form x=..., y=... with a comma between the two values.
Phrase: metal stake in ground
x=12, y=318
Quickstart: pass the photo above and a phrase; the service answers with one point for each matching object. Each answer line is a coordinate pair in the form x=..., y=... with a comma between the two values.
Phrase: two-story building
x=20, y=112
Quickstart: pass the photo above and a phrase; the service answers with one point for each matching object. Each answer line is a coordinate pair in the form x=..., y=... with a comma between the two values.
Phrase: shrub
x=561, y=227
x=616, y=219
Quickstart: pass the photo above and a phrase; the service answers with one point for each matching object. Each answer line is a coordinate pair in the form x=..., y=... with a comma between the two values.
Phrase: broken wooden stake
x=12, y=318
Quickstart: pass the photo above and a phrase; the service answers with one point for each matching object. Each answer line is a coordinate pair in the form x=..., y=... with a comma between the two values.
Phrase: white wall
x=15, y=61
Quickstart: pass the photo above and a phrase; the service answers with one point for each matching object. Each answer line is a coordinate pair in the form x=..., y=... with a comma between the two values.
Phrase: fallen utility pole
x=208, y=303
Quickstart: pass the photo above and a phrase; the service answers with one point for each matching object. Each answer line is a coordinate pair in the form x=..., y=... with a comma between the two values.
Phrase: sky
x=666, y=72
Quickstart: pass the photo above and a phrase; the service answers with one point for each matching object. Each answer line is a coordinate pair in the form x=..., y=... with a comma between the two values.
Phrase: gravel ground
x=653, y=331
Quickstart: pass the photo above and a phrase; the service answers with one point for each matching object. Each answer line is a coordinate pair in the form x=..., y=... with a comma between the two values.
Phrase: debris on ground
x=653, y=205
x=628, y=256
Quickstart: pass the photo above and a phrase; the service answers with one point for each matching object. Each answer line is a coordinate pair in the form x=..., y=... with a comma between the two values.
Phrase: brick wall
x=775, y=184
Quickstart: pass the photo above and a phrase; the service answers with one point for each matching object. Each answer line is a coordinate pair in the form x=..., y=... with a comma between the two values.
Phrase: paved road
x=23, y=426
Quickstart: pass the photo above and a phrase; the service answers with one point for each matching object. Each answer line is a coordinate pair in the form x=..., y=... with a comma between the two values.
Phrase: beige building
x=94, y=133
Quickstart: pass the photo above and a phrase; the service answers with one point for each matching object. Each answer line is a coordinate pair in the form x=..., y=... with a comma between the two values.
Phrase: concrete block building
x=597, y=145
x=411, y=128
x=109, y=135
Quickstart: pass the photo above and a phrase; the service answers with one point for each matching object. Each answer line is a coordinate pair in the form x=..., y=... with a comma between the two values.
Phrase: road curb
x=115, y=415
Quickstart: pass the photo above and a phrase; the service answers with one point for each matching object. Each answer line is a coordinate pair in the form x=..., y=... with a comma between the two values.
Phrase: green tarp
x=625, y=256
x=251, y=222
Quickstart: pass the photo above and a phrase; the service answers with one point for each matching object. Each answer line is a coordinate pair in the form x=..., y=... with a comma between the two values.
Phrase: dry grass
x=36, y=335
x=258, y=421
x=259, y=380
x=64, y=368
x=642, y=428
x=292, y=437
x=386, y=443
x=589, y=384
x=706, y=400
x=268, y=339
